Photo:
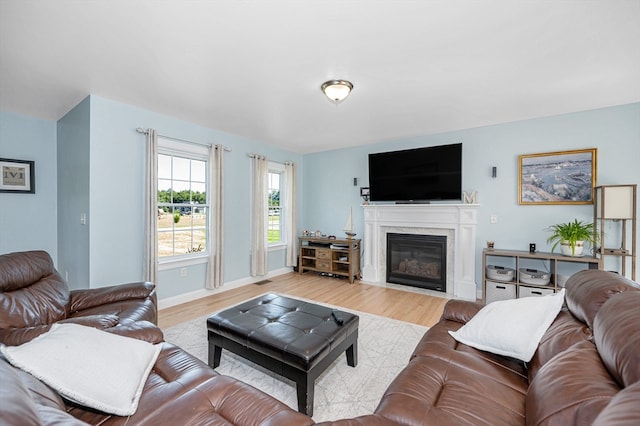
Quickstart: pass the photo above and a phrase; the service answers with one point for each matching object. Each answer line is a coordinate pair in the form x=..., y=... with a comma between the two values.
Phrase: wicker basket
x=533, y=276
x=500, y=273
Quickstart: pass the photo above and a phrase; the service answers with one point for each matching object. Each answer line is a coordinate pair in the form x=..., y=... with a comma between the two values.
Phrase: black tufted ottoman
x=292, y=338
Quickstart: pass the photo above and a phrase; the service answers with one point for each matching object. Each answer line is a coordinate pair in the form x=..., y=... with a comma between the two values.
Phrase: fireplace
x=417, y=260
x=457, y=222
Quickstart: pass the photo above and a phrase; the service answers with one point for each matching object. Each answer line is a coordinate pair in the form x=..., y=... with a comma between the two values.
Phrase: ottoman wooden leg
x=215, y=353
x=304, y=390
x=352, y=355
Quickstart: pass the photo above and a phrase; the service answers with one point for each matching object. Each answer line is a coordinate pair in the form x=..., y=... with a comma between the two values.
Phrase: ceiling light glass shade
x=337, y=90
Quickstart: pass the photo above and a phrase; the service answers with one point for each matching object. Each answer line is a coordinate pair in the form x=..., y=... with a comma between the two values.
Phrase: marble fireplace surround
x=455, y=221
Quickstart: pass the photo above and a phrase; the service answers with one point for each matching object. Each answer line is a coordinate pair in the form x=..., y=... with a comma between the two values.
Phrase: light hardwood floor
x=398, y=304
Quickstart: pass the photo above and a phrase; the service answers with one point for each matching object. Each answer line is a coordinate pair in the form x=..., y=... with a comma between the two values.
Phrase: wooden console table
x=339, y=257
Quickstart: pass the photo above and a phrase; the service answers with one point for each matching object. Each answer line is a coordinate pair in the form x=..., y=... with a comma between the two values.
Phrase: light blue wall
x=328, y=176
x=117, y=177
x=73, y=195
x=114, y=177
x=29, y=221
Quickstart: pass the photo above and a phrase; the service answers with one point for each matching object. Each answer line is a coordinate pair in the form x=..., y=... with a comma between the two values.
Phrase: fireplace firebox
x=417, y=260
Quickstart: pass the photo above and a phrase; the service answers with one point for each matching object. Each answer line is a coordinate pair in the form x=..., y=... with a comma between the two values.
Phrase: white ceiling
x=254, y=68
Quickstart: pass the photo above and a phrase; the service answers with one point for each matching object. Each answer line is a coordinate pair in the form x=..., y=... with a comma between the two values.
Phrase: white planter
x=565, y=248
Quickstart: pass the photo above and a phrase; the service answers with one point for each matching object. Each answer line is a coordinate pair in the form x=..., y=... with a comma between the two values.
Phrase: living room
x=87, y=213
x=97, y=151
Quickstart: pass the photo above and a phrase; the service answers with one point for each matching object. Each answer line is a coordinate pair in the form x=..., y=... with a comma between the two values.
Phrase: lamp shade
x=617, y=201
x=337, y=90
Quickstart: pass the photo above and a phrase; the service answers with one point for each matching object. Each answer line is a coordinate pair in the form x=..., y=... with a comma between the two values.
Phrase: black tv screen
x=416, y=175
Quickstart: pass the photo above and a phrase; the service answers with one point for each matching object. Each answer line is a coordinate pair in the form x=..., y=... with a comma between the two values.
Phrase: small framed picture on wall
x=17, y=176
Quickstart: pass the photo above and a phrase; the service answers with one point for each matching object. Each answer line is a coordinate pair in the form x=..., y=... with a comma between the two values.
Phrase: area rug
x=384, y=347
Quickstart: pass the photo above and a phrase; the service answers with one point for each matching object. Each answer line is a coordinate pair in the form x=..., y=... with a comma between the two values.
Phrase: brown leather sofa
x=586, y=370
x=180, y=390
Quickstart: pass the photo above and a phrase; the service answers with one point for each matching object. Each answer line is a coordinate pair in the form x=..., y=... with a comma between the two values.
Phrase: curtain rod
x=286, y=163
x=145, y=132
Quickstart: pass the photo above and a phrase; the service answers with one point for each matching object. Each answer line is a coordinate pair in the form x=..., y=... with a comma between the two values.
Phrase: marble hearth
x=455, y=221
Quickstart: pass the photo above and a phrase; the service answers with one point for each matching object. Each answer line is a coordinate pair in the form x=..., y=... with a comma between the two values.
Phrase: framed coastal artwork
x=563, y=177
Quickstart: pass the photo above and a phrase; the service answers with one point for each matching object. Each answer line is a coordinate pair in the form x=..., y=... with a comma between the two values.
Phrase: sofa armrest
x=460, y=310
x=89, y=298
x=100, y=322
x=18, y=336
x=141, y=330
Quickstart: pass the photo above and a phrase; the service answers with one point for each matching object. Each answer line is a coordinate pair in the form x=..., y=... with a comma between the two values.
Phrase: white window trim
x=277, y=246
x=174, y=262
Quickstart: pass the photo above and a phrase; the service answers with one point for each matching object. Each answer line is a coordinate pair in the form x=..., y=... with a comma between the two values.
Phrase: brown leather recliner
x=180, y=389
x=33, y=296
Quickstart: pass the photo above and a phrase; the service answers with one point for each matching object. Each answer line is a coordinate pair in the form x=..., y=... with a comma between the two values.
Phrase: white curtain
x=215, y=271
x=259, y=207
x=290, y=213
x=150, y=267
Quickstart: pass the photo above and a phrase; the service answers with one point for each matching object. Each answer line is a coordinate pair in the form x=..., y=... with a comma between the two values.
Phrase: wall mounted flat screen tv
x=417, y=175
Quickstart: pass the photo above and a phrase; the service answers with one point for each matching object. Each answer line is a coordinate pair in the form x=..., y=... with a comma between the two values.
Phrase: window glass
x=274, y=218
x=182, y=203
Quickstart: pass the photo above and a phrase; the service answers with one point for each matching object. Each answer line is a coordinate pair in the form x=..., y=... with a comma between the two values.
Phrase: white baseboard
x=199, y=294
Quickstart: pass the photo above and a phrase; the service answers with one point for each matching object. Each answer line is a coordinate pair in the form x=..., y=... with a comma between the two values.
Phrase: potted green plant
x=571, y=236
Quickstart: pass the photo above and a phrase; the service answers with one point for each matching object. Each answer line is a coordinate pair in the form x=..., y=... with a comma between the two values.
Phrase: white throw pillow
x=511, y=327
x=88, y=366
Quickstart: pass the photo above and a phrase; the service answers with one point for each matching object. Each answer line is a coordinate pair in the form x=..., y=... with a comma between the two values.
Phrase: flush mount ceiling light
x=336, y=90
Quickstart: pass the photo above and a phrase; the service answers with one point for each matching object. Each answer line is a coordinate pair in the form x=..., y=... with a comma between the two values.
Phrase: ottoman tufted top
x=293, y=331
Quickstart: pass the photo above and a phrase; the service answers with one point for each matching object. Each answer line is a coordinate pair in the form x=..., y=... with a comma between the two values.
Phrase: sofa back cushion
x=588, y=290
x=563, y=333
x=616, y=332
x=583, y=382
x=571, y=389
x=623, y=410
x=32, y=292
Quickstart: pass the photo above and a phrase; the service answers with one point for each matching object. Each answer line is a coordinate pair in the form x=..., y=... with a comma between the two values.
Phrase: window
x=183, y=209
x=274, y=217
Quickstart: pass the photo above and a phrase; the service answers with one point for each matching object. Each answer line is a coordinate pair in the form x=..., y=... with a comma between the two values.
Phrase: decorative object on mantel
x=348, y=227
x=571, y=236
x=566, y=177
x=470, y=198
x=337, y=90
x=364, y=193
x=17, y=176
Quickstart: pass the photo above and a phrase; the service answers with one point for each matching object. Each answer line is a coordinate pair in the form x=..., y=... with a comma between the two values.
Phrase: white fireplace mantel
x=456, y=221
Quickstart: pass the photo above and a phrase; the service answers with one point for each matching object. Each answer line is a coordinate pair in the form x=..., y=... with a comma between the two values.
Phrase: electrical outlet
x=183, y=272
x=494, y=218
